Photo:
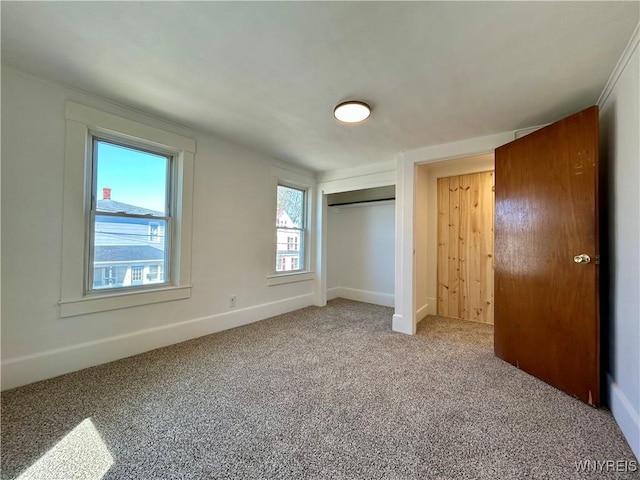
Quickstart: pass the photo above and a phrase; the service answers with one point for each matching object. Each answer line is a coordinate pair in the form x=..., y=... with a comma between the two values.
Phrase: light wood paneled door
x=465, y=247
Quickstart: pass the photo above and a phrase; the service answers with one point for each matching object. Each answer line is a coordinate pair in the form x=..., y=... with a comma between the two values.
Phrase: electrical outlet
x=232, y=301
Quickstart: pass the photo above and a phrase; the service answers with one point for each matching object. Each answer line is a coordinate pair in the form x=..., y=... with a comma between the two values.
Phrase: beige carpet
x=318, y=393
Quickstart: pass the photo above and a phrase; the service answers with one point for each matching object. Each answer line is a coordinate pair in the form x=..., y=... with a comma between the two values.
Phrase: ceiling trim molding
x=523, y=132
x=462, y=148
x=627, y=53
x=359, y=171
x=373, y=180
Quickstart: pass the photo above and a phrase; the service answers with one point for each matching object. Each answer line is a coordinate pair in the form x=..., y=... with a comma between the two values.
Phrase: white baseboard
x=32, y=368
x=422, y=312
x=627, y=418
x=333, y=292
x=433, y=306
x=377, y=298
x=401, y=325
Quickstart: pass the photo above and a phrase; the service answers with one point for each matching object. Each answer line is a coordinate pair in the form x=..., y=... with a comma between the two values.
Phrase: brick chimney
x=106, y=194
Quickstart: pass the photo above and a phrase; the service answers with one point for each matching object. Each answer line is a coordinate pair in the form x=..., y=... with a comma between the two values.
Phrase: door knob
x=582, y=258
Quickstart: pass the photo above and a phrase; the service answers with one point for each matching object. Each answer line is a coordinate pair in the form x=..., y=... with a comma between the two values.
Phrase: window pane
x=290, y=211
x=128, y=180
x=290, y=224
x=126, y=252
x=129, y=250
x=290, y=253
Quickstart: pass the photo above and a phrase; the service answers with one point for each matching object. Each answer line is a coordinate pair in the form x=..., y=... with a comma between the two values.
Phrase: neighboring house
x=128, y=251
x=288, y=251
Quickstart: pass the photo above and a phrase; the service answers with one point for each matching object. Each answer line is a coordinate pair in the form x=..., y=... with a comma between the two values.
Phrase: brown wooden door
x=546, y=319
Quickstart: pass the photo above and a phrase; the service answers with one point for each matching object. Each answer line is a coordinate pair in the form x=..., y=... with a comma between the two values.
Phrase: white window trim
x=293, y=179
x=81, y=122
x=288, y=277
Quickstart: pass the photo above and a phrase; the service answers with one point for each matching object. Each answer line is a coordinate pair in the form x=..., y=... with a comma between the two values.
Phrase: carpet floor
x=318, y=393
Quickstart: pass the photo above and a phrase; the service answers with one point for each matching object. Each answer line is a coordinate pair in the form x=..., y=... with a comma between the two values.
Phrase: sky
x=135, y=177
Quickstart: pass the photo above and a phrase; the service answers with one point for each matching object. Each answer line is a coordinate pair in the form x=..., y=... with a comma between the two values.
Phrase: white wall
x=360, y=252
x=337, y=181
x=620, y=142
x=234, y=217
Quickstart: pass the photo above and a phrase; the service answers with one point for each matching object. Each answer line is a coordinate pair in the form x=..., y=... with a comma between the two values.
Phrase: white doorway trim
x=360, y=182
x=404, y=318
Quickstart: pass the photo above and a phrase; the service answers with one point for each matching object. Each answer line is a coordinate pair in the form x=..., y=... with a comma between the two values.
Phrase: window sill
x=114, y=301
x=283, y=278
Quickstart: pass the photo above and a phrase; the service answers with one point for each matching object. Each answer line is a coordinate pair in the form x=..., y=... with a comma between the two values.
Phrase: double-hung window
x=130, y=221
x=292, y=257
x=291, y=229
x=127, y=218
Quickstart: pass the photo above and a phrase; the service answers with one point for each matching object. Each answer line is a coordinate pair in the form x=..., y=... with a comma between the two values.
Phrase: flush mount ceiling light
x=352, y=111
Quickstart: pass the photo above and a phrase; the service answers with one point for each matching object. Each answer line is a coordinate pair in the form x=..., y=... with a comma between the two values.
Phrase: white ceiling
x=269, y=74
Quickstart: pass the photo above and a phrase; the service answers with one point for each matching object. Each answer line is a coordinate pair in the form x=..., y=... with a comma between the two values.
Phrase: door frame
x=327, y=187
x=404, y=318
x=453, y=167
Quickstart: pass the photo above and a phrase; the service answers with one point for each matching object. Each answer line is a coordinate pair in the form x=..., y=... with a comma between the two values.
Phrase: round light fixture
x=352, y=111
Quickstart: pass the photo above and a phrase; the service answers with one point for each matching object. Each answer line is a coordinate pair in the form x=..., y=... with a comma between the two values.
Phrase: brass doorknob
x=582, y=258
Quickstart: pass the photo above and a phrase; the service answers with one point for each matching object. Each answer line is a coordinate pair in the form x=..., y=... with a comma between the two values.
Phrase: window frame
x=153, y=277
x=291, y=179
x=107, y=278
x=137, y=271
x=91, y=222
x=303, y=233
x=154, y=236
x=82, y=124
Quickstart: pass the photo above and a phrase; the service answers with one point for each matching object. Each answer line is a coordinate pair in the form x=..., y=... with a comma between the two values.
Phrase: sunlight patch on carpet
x=81, y=454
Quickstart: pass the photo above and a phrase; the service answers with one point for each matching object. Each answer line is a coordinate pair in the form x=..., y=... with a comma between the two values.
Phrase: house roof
x=108, y=205
x=281, y=215
x=127, y=253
